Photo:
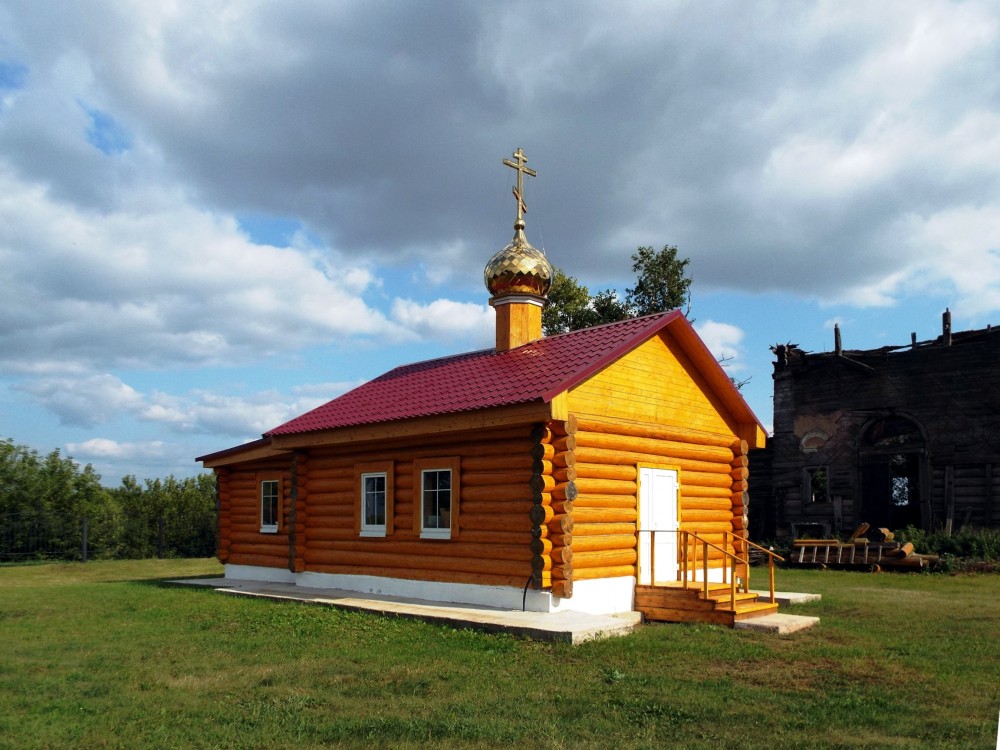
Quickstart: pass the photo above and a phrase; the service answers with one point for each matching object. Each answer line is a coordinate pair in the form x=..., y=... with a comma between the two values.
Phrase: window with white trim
x=374, y=495
x=373, y=511
x=270, y=506
x=435, y=503
x=437, y=497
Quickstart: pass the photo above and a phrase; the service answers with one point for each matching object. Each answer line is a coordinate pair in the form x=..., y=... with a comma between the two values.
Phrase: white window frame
x=270, y=528
x=436, y=532
x=374, y=529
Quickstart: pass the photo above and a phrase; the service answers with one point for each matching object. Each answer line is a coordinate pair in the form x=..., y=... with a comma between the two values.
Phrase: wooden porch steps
x=676, y=603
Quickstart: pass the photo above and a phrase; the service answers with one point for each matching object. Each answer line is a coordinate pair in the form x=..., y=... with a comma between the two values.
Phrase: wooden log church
x=899, y=436
x=530, y=474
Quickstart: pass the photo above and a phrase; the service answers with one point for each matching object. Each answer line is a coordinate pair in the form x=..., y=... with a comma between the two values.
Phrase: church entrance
x=892, y=462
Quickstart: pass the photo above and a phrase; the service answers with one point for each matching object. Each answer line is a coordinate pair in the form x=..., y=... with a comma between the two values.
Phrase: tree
x=661, y=284
x=661, y=281
x=568, y=308
x=44, y=499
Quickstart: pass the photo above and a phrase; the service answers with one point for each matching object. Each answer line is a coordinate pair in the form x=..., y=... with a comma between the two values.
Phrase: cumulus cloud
x=103, y=448
x=113, y=459
x=84, y=402
x=238, y=416
x=179, y=285
x=99, y=399
x=845, y=153
x=445, y=319
x=723, y=340
x=802, y=149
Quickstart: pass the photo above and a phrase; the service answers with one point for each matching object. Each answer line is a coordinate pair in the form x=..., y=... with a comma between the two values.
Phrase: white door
x=658, y=512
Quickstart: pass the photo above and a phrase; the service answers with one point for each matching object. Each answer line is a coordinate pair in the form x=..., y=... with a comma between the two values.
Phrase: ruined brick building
x=893, y=436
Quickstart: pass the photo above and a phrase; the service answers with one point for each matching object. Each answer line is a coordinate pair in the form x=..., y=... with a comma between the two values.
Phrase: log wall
x=241, y=541
x=492, y=541
x=824, y=404
x=651, y=407
x=712, y=469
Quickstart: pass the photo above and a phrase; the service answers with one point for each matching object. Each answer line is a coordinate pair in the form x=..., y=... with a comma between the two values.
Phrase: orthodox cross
x=522, y=170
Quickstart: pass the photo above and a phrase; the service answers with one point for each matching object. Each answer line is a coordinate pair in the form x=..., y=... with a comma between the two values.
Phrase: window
x=436, y=499
x=817, y=485
x=373, y=496
x=438, y=483
x=373, y=503
x=270, y=505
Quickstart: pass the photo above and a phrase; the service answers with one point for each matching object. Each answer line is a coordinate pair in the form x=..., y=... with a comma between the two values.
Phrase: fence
x=45, y=536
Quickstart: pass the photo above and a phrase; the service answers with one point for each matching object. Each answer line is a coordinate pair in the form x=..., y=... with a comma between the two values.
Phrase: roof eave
x=528, y=412
x=256, y=449
x=751, y=428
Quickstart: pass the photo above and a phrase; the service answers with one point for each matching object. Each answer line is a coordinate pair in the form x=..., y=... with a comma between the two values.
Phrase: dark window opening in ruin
x=891, y=455
x=889, y=432
x=817, y=485
x=902, y=486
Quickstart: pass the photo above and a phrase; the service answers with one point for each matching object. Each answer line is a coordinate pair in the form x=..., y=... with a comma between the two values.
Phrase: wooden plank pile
x=866, y=549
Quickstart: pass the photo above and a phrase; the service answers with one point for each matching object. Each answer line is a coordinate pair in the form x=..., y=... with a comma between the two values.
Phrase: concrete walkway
x=565, y=627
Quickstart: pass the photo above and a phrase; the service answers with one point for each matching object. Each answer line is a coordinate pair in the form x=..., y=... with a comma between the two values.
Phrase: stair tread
x=724, y=597
x=749, y=607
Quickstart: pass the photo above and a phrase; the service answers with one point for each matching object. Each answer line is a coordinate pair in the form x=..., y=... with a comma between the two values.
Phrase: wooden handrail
x=762, y=549
x=687, y=537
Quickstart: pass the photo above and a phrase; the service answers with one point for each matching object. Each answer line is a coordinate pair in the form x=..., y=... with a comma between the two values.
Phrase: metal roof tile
x=539, y=370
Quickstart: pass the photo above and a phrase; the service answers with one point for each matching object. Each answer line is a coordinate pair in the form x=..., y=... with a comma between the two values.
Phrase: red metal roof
x=478, y=380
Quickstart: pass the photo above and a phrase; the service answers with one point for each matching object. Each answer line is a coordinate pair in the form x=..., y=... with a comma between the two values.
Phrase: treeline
x=51, y=507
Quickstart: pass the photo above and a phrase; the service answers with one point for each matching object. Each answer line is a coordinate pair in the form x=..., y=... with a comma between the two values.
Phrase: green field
x=104, y=656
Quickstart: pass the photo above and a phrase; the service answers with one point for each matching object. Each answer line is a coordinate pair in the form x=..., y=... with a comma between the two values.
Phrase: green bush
x=970, y=545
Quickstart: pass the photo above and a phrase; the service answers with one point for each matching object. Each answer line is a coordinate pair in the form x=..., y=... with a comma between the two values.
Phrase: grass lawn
x=103, y=656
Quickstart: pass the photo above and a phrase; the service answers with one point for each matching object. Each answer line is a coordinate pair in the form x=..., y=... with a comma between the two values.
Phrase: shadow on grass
x=171, y=582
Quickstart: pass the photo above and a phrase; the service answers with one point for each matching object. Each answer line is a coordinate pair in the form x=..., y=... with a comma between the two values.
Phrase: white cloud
x=113, y=459
x=236, y=416
x=103, y=448
x=803, y=147
x=172, y=285
x=445, y=319
x=86, y=401
x=841, y=152
x=99, y=399
x=723, y=340
x=963, y=245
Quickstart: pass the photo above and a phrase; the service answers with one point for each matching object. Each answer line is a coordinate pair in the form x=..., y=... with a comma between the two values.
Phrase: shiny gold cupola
x=518, y=277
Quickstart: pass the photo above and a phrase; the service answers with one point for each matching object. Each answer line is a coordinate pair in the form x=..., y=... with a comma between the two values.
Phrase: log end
x=562, y=589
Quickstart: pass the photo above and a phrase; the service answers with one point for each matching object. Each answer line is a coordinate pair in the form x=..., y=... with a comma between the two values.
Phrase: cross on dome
x=518, y=191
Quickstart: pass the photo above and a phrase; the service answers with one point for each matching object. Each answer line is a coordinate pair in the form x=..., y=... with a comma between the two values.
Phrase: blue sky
x=216, y=216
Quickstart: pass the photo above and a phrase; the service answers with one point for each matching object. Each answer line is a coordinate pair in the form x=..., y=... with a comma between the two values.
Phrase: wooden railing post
x=704, y=567
x=682, y=540
x=732, y=586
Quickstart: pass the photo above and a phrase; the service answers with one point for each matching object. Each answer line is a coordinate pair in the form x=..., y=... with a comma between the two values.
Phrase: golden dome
x=518, y=269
